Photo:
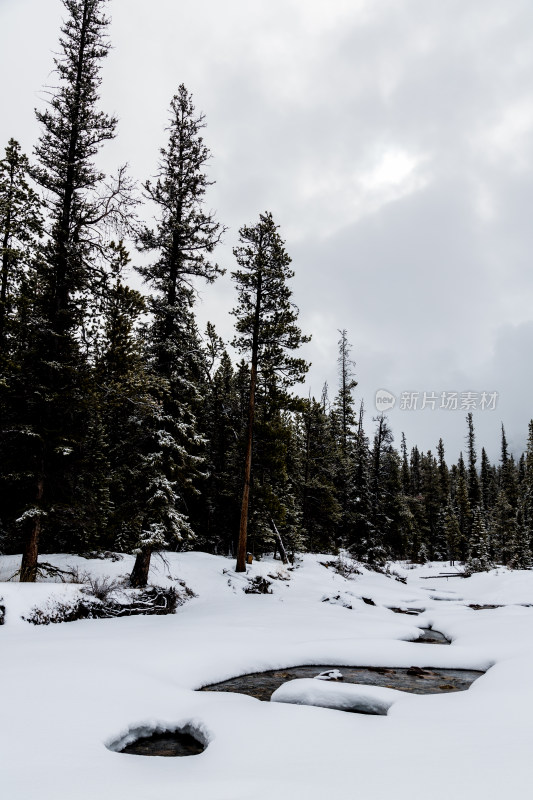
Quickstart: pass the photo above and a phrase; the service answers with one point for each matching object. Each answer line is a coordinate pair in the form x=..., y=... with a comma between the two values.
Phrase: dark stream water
x=429, y=636
x=427, y=681
x=262, y=684
x=169, y=743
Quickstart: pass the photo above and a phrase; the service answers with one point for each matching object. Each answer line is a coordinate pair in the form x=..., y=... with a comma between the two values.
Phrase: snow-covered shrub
x=129, y=602
x=100, y=588
x=344, y=565
x=258, y=585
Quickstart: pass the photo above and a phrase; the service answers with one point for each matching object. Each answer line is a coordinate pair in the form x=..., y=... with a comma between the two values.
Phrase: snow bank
x=343, y=697
x=69, y=690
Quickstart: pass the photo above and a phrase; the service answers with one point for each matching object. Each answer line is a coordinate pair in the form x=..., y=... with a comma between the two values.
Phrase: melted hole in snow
x=429, y=636
x=144, y=741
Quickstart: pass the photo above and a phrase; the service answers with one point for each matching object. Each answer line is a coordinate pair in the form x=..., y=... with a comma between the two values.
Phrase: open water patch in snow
x=262, y=685
x=429, y=636
x=159, y=741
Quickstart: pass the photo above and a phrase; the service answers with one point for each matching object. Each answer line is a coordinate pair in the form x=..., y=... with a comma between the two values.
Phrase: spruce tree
x=343, y=412
x=78, y=204
x=73, y=130
x=182, y=240
x=520, y=556
x=344, y=403
x=184, y=235
x=20, y=229
x=463, y=509
x=444, y=474
x=381, y=447
x=406, y=477
x=361, y=527
x=479, y=559
x=224, y=423
x=474, y=492
x=487, y=483
x=266, y=331
x=503, y=528
x=320, y=507
x=452, y=533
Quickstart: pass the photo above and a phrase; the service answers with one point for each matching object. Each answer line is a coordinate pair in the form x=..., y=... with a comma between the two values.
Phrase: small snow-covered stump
x=330, y=675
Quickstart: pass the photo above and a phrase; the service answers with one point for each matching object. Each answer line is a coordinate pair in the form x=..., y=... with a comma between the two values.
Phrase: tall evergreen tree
x=344, y=402
x=444, y=474
x=320, y=507
x=185, y=234
x=78, y=203
x=344, y=422
x=266, y=331
x=406, y=476
x=462, y=507
x=20, y=228
x=361, y=530
x=182, y=240
x=474, y=492
x=381, y=447
x=479, y=559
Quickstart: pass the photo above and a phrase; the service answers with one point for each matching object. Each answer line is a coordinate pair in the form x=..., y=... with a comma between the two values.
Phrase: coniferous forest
x=124, y=427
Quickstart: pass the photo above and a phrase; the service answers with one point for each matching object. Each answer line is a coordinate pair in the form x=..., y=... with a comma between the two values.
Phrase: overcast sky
x=393, y=142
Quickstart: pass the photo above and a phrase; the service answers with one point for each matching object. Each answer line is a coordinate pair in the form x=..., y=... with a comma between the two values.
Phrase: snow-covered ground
x=69, y=690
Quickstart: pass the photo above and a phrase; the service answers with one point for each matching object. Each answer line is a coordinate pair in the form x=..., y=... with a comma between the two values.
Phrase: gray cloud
x=393, y=142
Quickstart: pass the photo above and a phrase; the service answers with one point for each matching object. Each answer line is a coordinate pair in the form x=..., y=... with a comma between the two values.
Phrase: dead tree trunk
x=243, y=528
x=282, y=551
x=141, y=568
x=28, y=567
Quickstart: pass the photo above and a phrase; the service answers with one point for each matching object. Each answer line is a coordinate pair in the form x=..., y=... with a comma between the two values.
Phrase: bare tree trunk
x=281, y=546
x=28, y=567
x=243, y=528
x=141, y=568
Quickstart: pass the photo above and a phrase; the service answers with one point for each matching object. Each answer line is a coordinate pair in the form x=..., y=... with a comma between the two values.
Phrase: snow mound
x=345, y=697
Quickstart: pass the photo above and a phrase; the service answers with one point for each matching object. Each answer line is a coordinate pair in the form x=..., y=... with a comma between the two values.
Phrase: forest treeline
x=126, y=428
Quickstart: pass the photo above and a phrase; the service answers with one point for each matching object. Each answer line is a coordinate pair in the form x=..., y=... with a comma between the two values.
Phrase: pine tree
x=406, y=476
x=527, y=485
x=73, y=132
x=453, y=534
x=463, y=508
x=479, y=559
x=474, y=492
x=224, y=423
x=444, y=474
x=20, y=229
x=416, y=477
x=345, y=423
x=320, y=507
x=503, y=528
x=266, y=331
x=344, y=403
x=520, y=556
x=183, y=239
x=433, y=504
x=361, y=530
x=382, y=444
x=487, y=483
x=78, y=204
x=184, y=235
